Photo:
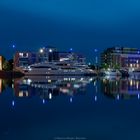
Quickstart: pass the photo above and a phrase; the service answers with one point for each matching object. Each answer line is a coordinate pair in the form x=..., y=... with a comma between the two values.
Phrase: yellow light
x=49, y=81
x=131, y=82
x=20, y=94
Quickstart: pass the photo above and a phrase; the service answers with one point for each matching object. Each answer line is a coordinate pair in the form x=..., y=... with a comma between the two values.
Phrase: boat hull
x=59, y=72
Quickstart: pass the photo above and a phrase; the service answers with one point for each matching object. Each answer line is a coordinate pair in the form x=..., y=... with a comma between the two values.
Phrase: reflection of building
x=47, y=88
x=124, y=87
x=120, y=57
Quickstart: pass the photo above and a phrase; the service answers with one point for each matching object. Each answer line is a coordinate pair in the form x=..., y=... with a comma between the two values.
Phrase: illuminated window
x=21, y=54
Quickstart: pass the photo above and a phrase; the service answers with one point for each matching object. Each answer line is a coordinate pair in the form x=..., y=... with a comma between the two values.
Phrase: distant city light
x=71, y=49
x=95, y=50
x=13, y=46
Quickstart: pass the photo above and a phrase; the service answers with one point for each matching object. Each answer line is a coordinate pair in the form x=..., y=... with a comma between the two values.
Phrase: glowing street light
x=41, y=51
x=50, y=50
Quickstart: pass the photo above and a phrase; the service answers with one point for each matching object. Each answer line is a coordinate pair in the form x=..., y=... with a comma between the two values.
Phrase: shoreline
x=10, y=74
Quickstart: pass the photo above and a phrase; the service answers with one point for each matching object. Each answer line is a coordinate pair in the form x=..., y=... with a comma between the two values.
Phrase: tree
x=7, y=65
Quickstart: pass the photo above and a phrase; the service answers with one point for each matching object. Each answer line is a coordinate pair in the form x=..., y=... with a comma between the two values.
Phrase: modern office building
x=121, y=57
x=46, y=54
x=24, y=59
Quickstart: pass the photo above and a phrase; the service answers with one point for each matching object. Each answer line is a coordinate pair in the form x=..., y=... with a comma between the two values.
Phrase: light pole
x=41, y=54
x=96, y=58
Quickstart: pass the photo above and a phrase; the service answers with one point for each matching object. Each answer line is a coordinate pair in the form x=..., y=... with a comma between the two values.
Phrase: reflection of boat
x=48, y=86
x=59, y=68
x=108, y=77
x=112, y=72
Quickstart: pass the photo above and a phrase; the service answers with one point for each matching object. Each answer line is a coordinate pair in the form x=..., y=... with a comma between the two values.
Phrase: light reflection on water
x=47, y=88
x=49, y=107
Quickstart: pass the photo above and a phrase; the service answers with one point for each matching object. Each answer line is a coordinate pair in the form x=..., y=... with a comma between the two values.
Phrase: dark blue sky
x=81, y=24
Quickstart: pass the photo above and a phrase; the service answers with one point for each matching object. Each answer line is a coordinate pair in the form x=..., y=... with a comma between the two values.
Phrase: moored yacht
x=58, y=68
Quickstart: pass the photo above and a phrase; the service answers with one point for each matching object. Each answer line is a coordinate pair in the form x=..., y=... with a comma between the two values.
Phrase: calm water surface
x=45, y=108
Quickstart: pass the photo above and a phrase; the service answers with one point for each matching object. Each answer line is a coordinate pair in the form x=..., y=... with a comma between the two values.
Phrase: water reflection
x=49, y=87
x=121, y=88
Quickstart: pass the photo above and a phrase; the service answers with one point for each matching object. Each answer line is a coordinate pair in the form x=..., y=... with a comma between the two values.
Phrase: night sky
x=79, y=24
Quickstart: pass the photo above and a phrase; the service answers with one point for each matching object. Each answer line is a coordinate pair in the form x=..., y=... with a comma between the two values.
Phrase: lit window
x=21, y=54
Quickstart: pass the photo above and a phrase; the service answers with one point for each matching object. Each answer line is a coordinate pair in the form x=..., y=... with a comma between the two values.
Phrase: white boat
x=58, y=68
x=112, y=72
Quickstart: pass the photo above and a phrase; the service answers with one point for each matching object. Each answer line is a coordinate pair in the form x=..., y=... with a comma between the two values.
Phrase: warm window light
x=131, y=82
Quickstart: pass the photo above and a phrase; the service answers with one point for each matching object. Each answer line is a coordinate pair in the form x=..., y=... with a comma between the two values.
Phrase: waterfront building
x=45, y=54
x=24, y=59
x=121, y=57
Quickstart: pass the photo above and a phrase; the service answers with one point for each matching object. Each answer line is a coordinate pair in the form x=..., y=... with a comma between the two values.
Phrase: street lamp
x=50, y=50
x=41, y=50
x=96, y=57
